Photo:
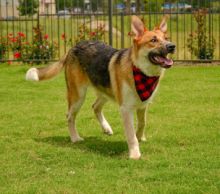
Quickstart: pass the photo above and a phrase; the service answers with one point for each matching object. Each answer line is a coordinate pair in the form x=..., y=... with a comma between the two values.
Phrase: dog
x=128, y=76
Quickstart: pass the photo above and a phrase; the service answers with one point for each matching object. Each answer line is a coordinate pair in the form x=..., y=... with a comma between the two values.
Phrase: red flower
x=46, y=36
x=21, y=34
x=15, y=39
x=17, y=55
x=63, y=36
x=9, y=62
x=92, y=33
x=130, y=33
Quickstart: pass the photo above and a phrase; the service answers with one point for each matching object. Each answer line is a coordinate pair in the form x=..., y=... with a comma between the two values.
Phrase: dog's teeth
x=158, y=59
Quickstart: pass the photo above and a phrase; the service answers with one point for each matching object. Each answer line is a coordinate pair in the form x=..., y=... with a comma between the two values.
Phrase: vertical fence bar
x=77, y=19
x=58, y=27
x=110, y=14
x=218, y=31
x=170, y=12
x=191, y=26
x=71, y=22
x=52, y=17
x=26, y=26
x=64, y=26
x=184, y=34
x=177, y=29
x=116, y=25
x=32, y=19
x=7, y=25
x=104, y=15
x=13, y=17
x=149, y=13
x=1, y=50
x=1, y=18
x=122, y=30
x=210, y=22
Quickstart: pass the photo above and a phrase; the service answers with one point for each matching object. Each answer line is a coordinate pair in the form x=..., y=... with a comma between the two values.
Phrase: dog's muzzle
x=159, y=57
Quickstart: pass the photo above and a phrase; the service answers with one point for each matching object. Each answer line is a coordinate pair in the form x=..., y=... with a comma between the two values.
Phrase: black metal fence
x=43, y=30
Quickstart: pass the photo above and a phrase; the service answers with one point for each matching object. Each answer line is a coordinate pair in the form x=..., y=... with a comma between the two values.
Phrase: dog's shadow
x=90, y=144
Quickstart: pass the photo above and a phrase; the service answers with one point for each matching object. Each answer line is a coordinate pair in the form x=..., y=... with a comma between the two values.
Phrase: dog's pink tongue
x=166, y=61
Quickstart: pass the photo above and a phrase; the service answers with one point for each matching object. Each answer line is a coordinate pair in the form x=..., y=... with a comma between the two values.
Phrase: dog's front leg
x=128, y=121
x=141, y=121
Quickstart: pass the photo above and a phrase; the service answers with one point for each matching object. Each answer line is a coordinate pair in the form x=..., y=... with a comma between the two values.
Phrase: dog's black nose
x=170, y=47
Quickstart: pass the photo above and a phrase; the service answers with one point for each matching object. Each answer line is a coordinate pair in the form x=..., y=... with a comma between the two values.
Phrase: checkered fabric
x=144, y=84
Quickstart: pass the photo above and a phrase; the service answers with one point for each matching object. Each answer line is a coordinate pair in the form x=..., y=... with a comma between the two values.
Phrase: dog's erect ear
x=137, y=27
x=163, y=24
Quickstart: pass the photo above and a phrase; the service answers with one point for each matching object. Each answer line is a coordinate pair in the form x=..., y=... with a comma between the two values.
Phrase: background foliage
x=28, y=7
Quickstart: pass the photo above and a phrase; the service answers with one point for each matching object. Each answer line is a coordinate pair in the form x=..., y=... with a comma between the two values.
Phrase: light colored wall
x=47, y=7
x=8, y=8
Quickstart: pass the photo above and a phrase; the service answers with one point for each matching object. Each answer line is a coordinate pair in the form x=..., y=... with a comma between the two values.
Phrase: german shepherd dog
x=128, y=76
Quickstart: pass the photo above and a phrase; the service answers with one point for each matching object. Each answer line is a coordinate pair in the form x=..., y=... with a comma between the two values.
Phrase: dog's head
x=152, y=47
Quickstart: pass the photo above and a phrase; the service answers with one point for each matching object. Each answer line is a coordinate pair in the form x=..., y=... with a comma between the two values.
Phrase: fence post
x=110, y=21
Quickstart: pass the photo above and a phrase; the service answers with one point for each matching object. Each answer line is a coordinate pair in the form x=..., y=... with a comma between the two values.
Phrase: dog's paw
x=108, y=131
x=141, y=138
x=107, y=128
x=76, y=139
x=134, y=154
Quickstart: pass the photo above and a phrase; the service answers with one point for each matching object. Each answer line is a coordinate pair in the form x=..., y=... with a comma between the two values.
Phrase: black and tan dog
x=128, y=76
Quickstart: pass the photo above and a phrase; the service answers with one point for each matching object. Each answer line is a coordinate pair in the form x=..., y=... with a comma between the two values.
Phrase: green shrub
x=3, y=47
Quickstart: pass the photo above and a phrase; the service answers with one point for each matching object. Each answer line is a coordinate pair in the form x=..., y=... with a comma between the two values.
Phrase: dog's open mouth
x=161, y=60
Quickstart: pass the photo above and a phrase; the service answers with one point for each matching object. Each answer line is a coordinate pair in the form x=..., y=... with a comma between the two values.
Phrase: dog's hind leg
x=141, y=121
x=74, y=104
x=97, y=107
x=77, y=84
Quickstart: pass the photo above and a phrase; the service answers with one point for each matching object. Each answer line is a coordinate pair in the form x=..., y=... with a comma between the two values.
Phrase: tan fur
x=122, y=87
x=52, y=70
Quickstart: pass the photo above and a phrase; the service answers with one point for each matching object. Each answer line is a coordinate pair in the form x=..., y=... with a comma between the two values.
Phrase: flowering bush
x=198, y=42
x=85, y=33
x=15, y=43
x=39, y=50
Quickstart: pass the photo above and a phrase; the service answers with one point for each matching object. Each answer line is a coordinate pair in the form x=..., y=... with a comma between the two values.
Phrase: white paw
x=141, y=138
x=76, y=139
x=32, y=75
x=107, y=128
x=134, y=153
x=108, y=131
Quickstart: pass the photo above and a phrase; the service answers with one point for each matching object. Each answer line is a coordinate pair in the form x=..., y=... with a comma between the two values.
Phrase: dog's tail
x=43, y=73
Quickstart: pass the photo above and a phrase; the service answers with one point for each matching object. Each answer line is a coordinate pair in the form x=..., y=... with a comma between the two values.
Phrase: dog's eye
x=154, y=40
x=167, y=38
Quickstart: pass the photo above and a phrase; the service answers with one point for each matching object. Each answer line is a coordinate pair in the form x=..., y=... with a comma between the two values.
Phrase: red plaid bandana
x=144, y=84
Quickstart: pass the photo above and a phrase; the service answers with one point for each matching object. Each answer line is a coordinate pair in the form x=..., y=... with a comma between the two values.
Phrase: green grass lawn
x=181, y=155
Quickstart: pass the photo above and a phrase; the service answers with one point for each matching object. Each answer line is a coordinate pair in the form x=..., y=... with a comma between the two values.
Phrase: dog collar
x=145, y=85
